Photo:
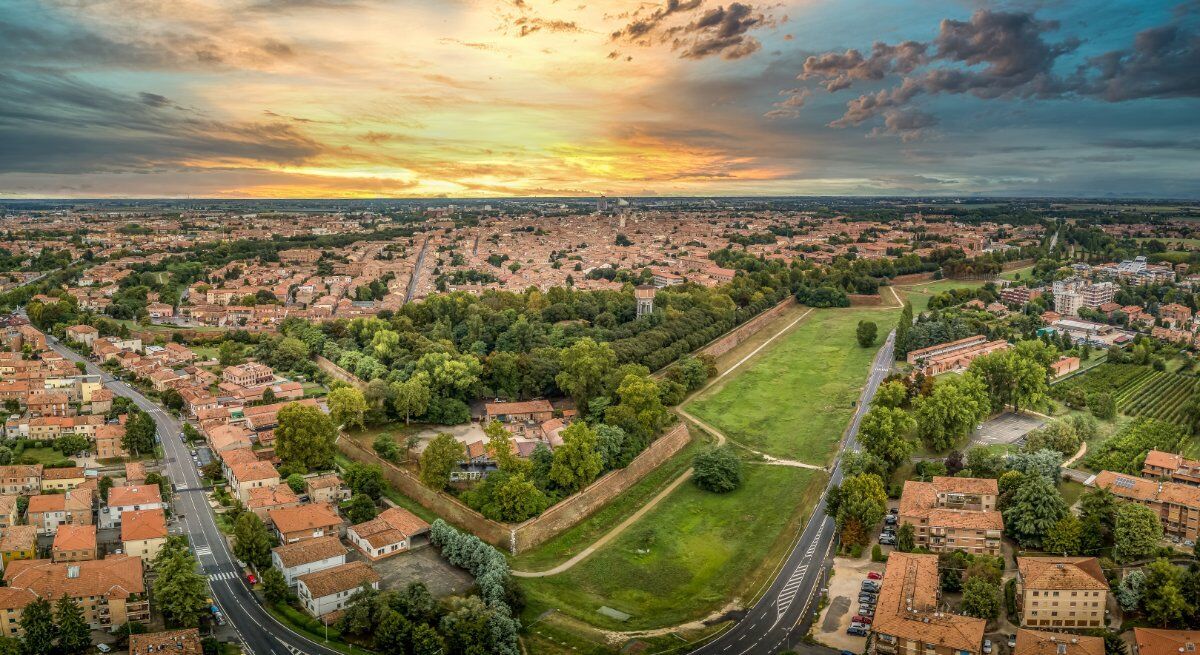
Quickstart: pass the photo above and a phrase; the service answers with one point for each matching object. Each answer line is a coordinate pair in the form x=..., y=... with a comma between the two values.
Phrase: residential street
x=260, y=633
x=783, y=614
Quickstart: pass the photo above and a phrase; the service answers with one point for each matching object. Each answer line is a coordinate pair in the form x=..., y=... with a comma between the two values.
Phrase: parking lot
x=843, y=593
x=421, y=565
x=1006, y=429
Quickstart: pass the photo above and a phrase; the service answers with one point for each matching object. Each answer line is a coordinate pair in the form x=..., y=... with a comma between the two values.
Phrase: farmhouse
x=535, y=411
x=1169, y=466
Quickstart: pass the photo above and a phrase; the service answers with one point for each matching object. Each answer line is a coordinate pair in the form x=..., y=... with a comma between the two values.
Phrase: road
x=416, y=274
x=261, y=633
x=782, y=615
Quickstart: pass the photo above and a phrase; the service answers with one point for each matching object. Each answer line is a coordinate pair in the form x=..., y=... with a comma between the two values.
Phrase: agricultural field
x=688, y=556
x=794, y=399
x=1138, y=390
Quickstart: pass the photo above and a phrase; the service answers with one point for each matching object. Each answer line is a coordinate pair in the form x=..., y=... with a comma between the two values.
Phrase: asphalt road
x=415, y=278
x=782, y=615
x=260, y=633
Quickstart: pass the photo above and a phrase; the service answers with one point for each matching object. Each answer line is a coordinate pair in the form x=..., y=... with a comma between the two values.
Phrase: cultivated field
x=1138, y=390
x=688, y=556
x=795, y=398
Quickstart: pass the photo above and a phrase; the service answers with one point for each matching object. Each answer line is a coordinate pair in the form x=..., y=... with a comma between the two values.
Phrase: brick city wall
x=731, y=339
x=338, y=373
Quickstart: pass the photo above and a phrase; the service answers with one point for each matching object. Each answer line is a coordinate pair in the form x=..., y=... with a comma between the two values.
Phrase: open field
x=795, y=397
x=919, y=294
x=43, y=455
x=688, y=556
x=578, y=537
x=1013, y=274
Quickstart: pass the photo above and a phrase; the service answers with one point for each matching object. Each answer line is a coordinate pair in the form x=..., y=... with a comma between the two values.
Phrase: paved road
x=261, y=634
x=416, y=274
x=782, y=616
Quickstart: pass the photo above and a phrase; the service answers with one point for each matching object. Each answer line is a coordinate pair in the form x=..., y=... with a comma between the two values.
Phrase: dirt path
x=721, y=439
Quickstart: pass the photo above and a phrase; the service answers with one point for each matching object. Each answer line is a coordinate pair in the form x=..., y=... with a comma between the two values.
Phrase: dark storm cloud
x=722, y=31
x=76, y=127
x=997, y=54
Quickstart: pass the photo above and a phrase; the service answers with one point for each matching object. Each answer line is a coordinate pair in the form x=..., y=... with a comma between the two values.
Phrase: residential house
x=129, y=499
x=264, y=499
x=326, y=489
x=48, y=511
x=8, y=511
x=135, y=473
x=228, y=436
x=308, y=556
x=910, y=617
x=245, y=476
x=1177, y=504
x=305, y=522
x=172, y=642
x=1061, y=592
x=529, y=411
x=252, y=374
x=953, y=513
x=62, y=479
x=143, y=532
x=330, y=590
x=74, y=543
x=1157, y=641
x=17, y=543
x=110, y=591
x=23, y=479
x=109, y=444
x=1160, y=465
x=389, y=533
x=84, y=334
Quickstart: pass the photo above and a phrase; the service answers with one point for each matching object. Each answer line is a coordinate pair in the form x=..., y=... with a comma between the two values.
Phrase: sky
x=494, y=98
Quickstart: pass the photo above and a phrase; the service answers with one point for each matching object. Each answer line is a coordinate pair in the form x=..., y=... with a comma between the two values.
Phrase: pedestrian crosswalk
x=792, y=587
x=223, y=575
x=294, y=650
x=204, y=550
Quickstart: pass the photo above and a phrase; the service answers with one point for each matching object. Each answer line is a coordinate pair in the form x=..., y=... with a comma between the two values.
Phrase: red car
x=874, y=576
x=251, y=579
x=862, y=619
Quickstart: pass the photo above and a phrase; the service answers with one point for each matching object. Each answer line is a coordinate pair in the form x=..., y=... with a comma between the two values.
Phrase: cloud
x=530, y=25
x=998, y=54
x=908, y=124
x=790, y=107
x=722, y=31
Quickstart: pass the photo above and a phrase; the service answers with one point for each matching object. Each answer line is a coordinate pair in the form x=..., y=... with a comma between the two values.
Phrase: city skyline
x=358, y=98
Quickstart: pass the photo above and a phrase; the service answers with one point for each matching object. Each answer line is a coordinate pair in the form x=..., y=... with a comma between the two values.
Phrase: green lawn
x=688, y=556
x=579, y=536
x=42, y=455
x=1012, y=275
x=795, y=398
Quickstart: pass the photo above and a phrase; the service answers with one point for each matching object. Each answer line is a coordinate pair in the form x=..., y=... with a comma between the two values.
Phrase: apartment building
x=248, y=375
x=110, y=591
x=1177, y=504
x=1038, y=642
x=1019, y=295
x=21, y=479
x=1061, y=592
x=1161, y=465
x=953, y=514
x=245, y=476
x=143, y=533
x=909, y=617
x=49, y=511
x=74, y=543
x=128, y=499
x=1072, y=294
x=1155, y=641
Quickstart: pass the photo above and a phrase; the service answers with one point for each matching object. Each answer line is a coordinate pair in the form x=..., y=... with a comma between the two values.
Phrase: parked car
x=856, y=624
x=893, y=511
x=869, y=585
x=1012, y=641
x=887, y=540
x=987, y=646
x=104, y=648
x=251, y=578
x=866, y=611
x=857, y=631
x=874, y=576
x=890, y=519
x=859, y=618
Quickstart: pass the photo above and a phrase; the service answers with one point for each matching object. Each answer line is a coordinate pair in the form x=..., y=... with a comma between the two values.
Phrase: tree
x=1102, y=405
x=1035, y=509
x=365, y=479
x=296, y=483
x=179, y=591
x=576, y=462
x=861, y=504
x=718, y=470
x=1129, y=592
x=610, y=441
x=347, y=407
x=361, y=509
x=582, y=369
x=275, y=586
x=1045, y=463
x=140, y=431
x=290, y=354
x=519, y=499
x=74, y=633
x=906, y=540
x=393, y=632
x=172, y=399
x=950, y=411
x=884, y=433
x=891, y=394
x=427, y=641
x=104, y=484
x=37, y=628
x=1162, y=598
x=385, y=446
x=1137, y=532
x=1011, y=378
x=1066, y=538
x=981, y=599
x=305, y=437
x=903, y=328
x=253, y=542
x=229, y=353
x=411, y=397
x=866, y=333
x=500, y=444
x=440, y=457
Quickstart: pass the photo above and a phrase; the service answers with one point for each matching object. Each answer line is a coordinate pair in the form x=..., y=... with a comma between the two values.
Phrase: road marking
x=223, y=575
x=787, y=594
x=204, y=550
x=293, y=649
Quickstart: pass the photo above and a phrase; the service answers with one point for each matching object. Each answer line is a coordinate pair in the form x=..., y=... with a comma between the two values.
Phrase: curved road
x=782, y=614
x=260, y=633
